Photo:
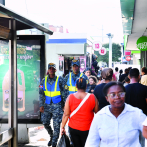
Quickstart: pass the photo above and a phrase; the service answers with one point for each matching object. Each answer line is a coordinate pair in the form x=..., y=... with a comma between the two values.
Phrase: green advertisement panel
x=28, y=78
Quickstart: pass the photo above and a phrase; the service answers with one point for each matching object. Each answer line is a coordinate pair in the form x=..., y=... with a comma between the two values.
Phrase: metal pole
x=110, y=51
x=12, y=118
x=102, y=33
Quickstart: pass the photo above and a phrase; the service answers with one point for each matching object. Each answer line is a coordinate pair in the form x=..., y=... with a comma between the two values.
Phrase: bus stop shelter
x=10, y=22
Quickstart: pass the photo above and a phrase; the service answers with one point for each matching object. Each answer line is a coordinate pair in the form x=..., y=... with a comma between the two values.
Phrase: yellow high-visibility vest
x=52, y=93
x=71, y=87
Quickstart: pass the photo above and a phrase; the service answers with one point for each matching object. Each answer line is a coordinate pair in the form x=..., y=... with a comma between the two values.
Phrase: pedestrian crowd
x=106, y=110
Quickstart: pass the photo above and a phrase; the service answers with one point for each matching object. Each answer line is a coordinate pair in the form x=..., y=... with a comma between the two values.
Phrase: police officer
x=51, y=98
x=71, y=78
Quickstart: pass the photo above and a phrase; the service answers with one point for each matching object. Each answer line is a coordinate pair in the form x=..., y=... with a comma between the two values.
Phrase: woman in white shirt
x=118, y=124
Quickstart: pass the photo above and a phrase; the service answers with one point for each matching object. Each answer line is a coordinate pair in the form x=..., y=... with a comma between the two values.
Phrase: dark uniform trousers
x=52, y=111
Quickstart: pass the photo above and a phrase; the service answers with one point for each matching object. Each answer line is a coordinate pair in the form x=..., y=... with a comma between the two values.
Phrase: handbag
x=80, y=105
x=64, y=141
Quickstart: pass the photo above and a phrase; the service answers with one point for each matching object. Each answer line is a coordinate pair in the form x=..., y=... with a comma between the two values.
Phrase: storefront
x=61, y=49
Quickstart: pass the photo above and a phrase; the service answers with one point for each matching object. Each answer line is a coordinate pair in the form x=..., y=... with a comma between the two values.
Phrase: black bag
x=64, y=141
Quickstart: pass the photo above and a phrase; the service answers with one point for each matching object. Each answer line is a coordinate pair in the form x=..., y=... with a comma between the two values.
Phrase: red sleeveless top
x=84, y=116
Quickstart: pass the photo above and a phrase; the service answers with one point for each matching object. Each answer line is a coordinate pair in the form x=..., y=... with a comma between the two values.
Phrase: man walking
x=136, y=95
x=52, y=91
x=71, y=78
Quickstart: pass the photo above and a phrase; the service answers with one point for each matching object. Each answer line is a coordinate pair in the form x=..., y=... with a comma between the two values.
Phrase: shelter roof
x=21, y=21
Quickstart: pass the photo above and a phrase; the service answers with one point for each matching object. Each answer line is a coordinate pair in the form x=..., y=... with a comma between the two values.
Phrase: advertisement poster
x=61, y=65
x=28, y=79
x=82, y=63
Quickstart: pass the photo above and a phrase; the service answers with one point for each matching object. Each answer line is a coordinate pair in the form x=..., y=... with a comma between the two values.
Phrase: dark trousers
x=55, y=112
x=78, y=137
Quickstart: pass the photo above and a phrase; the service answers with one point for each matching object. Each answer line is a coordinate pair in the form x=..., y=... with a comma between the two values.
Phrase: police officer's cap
x=75, y=62
x=51, y=65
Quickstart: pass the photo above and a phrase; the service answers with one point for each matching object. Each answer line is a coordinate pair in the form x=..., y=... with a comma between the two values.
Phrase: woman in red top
x=79, y=123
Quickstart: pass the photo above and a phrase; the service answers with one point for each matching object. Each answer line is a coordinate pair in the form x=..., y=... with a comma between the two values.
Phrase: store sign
x=128, y=58
x=127, y=53
x=97, y=45
x=102, y=51
x=142, y=43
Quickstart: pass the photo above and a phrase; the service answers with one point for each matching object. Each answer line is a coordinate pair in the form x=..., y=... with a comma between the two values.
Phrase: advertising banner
x=61, y=65
x=142, y=43
x=128, y=58
x=127, y=53
x=82, y=63
x=28, y=79
x=102, y=51
x=97, y=45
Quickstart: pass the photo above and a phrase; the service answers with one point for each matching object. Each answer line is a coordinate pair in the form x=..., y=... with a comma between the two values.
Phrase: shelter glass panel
x=4, y=79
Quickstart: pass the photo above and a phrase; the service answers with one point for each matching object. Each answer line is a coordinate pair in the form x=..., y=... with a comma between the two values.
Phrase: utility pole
x=102, y=33
x=110, y=36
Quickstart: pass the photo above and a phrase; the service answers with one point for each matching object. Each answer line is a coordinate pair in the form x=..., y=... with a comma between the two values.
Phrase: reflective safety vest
x=72, y=84
x=52, y=92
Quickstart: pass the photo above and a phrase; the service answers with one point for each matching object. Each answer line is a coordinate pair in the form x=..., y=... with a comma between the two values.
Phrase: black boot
x=50, y=142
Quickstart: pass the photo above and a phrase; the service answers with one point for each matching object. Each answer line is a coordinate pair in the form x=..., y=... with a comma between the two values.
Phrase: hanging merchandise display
x=82, y=63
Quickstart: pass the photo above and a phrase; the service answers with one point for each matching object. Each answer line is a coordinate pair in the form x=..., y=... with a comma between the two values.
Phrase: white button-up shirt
x=122, y=131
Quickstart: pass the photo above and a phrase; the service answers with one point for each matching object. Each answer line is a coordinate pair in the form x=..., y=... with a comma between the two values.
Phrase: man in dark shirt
x=122, y=77
x=136, y=93
x=98, y=91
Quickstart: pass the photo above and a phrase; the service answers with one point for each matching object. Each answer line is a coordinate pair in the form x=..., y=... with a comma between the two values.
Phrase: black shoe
x=50, y=142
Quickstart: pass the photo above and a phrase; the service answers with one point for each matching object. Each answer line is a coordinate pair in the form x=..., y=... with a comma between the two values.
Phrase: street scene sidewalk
x=38, y=138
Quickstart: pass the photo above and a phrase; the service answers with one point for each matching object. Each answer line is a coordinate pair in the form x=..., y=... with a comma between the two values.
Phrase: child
x=92, y=82
x=127, y=81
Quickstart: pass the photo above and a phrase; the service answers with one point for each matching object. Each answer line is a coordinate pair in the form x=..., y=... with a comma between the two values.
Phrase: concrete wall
x=136, y=58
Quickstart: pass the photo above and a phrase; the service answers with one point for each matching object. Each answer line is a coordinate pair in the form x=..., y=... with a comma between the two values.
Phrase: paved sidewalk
x=38, y=137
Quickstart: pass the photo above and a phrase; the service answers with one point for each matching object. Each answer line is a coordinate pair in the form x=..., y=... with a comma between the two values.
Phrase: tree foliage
x=116, y=53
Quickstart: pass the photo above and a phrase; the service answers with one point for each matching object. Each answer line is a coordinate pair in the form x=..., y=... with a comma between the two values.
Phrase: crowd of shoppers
x=121, y=100
x=118, y=100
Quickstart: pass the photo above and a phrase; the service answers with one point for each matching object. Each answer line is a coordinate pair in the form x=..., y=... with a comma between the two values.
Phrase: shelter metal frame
x=11, y=22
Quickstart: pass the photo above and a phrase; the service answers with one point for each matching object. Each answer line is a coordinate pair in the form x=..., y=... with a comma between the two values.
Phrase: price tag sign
x=97, y=45
x=102, y=51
